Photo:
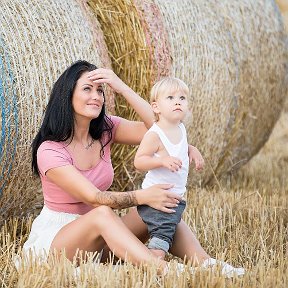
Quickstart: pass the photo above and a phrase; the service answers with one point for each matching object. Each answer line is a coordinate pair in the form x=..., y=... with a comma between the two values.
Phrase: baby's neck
x=171, y=130
x=168, y=125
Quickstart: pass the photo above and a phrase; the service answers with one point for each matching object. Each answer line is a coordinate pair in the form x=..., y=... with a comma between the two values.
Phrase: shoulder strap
x=183, y=129
x=165, y=141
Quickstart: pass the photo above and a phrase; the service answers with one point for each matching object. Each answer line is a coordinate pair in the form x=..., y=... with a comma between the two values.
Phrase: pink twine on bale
x=156, y=37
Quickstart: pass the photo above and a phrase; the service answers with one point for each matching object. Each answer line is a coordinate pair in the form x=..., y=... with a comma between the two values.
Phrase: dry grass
x=244, y=221
x=246, y=227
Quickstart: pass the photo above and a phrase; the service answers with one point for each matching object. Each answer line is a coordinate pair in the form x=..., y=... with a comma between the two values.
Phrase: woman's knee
x=102, y=215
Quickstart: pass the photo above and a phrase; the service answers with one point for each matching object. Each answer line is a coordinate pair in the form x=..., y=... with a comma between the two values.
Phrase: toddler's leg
x=158, y=247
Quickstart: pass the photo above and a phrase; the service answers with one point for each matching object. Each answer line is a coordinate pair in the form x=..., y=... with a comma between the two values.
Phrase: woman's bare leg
x=134, y=223
x=92, y=230
x=186, y=245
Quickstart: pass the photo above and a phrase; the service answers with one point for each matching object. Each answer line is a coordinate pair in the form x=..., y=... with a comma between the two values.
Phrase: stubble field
x=243, y=220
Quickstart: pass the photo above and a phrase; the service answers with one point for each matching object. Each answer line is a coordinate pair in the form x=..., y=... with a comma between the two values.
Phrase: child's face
x=172, y=106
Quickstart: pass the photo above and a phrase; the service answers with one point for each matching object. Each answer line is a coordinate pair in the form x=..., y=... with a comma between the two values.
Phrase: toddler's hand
x=195, y=155
x=171, y=163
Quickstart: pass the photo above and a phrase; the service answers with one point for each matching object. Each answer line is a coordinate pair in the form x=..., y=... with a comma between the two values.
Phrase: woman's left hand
x=195, y=155
x=103, y=75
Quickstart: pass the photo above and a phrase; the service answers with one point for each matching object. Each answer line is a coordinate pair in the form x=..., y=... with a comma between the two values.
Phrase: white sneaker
x=226, y=269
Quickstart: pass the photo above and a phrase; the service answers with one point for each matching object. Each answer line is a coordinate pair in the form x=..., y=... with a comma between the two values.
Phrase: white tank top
x=163, y=175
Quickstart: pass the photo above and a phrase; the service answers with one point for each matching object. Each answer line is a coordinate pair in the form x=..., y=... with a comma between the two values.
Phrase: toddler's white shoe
x=226, y=269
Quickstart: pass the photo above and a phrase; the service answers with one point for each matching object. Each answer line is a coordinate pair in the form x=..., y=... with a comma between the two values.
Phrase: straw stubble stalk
x=246, y=228
x=38, y=41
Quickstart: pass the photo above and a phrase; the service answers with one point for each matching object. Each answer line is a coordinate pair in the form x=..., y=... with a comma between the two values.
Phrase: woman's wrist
x=137, y=196
x=127, y=91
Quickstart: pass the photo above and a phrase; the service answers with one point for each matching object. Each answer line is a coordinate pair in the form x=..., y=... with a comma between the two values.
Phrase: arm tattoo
x=117, y=200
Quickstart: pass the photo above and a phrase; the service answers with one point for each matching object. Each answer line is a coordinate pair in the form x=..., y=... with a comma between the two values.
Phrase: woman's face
x=87, y=99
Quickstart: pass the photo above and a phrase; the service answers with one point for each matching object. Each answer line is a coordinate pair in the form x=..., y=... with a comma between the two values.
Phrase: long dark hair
x=58, y=122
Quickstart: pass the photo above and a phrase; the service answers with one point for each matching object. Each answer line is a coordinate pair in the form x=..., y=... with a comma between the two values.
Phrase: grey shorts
x=161, y=225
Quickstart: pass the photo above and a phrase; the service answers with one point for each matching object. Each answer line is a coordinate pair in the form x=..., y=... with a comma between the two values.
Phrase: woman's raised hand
x=141, y=107
x=103, y=75
x=159, y=197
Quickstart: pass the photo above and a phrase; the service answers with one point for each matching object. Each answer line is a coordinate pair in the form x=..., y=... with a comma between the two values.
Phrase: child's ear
x=155, y=108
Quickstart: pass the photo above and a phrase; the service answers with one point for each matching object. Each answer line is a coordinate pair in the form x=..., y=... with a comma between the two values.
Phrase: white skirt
x=44, y=229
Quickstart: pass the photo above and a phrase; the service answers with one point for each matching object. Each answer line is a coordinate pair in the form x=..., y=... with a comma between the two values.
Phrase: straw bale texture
x=230, y=53
x=126, y=39
x=200, y=50
x=157, y=38
x=260, y=57
x=39, y=39
x=232, y=56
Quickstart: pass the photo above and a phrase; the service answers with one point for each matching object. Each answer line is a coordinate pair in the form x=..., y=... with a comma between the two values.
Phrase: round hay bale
x=39, y=39
x=8, y=118
x=260, y=55
x=230, y=53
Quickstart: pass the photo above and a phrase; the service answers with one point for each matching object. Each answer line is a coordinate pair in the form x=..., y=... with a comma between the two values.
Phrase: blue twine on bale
x=8, y=106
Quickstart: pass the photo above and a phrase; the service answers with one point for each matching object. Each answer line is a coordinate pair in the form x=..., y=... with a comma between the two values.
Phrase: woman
x=71, y=154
